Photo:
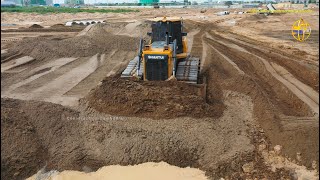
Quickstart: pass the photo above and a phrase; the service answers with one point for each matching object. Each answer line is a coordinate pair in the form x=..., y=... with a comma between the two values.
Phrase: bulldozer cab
x=164, y=30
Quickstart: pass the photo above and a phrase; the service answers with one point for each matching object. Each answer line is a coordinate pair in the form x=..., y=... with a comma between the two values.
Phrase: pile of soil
x=37, y=26
x=34, y=134
x=97, y=40
x=21, y=152
x=58, y=26
x=153, y=99
x=30, y=131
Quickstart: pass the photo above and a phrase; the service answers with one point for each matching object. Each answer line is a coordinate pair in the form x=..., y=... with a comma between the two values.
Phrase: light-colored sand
x=12, y=64
x=145, y=171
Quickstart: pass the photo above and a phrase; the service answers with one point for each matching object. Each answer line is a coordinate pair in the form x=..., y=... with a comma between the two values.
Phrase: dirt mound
x=254, y=17
x=97, y=40
x=160, y=99
x=37, y=26
x=58, y=26
x=17, y=131
x=29, y=135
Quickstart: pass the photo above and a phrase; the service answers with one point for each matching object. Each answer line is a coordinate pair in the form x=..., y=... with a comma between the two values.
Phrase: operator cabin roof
x=164, y=19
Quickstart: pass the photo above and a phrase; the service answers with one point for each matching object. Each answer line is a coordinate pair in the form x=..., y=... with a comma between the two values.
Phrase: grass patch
x=44, y=10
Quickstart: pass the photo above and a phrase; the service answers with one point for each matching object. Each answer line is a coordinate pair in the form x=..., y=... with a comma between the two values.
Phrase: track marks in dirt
x=39, y=72
x=297, y=66
x=3, y=51
x=197, y=47
x=296, y=132
x=254, y=68
x=67, y=81
x=16, y=63
x=46, y=78
x=50, y=86
x=228, y=60
x=302, y=91
x=292, y=123
x=312, y=94
x=191, y=37
x=108, y=64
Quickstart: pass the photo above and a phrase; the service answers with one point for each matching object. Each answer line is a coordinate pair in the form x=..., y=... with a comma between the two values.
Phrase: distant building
x=49, y=2
x=38, y=2
x=8, y=1
x=252, y=5
x=74, y=2
x=7, y=4
x=148, y=2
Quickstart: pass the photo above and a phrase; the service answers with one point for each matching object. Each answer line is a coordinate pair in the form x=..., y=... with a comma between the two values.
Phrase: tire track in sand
x=301, y=90
x=40, y=71
x=54, y=90
x=67, y=81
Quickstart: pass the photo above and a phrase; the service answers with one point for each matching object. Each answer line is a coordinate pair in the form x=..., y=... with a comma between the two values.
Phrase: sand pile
x=145, y=171
x=27, y=136
x=18, y=162
x=97, y=40
x=161, y=99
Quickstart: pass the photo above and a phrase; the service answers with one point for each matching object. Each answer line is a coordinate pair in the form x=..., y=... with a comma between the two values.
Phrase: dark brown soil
x=234, y=169
x=54, y=28
x=32, y=136
x=37, y=26
x=21, y=152
x=160, y=99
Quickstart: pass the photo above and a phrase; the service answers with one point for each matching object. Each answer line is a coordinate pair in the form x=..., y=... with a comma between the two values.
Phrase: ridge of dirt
x=42, y=30
x=97, y=40
x=169, y=99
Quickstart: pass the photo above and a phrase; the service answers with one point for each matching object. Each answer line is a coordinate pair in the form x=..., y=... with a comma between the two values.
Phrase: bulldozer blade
x=172, y=78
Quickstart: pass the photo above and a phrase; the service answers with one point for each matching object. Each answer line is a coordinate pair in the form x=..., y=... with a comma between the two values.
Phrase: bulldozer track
x=188, y=70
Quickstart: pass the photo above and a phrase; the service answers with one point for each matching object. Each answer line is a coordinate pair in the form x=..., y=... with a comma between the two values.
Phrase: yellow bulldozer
x=165, y=56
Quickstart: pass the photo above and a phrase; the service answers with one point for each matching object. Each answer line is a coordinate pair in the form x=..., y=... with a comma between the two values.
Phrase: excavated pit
x=65, y=139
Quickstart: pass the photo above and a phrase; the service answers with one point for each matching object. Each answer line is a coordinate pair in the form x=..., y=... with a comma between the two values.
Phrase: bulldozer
x=165, y=56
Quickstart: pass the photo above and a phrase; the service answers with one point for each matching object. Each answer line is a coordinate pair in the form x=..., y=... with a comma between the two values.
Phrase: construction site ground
x=65, y=107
